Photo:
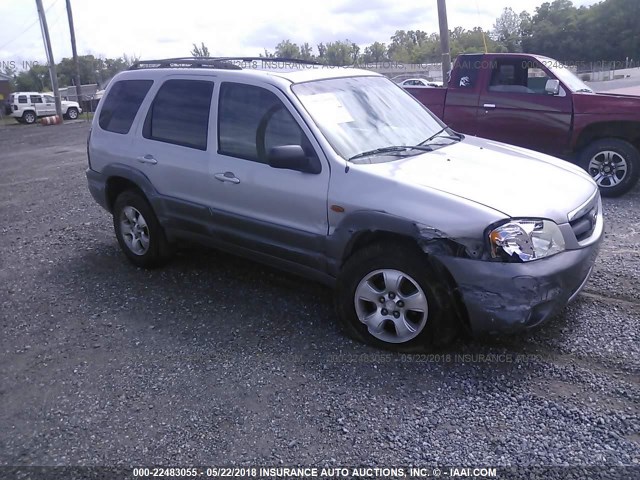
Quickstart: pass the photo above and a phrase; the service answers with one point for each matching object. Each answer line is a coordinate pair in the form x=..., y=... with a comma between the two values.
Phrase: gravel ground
x=215, y=360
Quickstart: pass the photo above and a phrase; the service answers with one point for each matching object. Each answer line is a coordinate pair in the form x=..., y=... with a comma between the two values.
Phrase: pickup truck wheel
x=390, y=297
x=29, y=117
x=138, y=231
x=72, y=113
x=614, y=164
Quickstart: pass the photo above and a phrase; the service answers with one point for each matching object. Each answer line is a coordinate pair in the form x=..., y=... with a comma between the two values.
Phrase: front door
x=276, y=211
x=514, y=107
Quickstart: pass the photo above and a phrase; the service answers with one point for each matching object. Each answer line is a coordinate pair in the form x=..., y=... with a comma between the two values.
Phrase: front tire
x=72, y=113
x=138, y=231
x=392, y=297
x=614, y=164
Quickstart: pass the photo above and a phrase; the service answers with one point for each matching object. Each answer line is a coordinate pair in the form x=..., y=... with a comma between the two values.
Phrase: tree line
x=609, y=31
x=92, y=70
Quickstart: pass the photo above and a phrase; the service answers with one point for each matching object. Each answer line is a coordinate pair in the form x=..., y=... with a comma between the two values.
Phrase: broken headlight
x=526, y=240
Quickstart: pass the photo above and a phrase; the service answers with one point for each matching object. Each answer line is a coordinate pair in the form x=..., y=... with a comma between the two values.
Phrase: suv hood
x=512, y=180
x=69, y=103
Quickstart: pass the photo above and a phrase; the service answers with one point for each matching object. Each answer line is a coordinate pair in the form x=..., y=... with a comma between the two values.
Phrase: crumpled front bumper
x=511, y=297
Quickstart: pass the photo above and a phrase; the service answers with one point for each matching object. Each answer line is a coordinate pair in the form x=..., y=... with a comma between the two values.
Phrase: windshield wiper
x=390, y=149
x=438, y=133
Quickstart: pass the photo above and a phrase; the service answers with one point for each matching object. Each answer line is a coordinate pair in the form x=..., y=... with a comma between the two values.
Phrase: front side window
x=122, y=104
x=35, y=99
x=518, y=76
x=180, y=113
x=48, y=99
x=252, y=120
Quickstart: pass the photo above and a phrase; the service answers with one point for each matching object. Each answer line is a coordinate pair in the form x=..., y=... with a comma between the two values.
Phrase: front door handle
x=227, y=177
x=148, y=159
x=489, y=105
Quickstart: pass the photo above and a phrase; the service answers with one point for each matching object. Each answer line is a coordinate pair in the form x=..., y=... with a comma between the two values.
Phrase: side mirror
x=552, y=87
x=292, y=157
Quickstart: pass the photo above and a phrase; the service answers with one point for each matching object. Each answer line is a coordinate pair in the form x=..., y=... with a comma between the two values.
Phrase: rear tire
x=392, y=297
x=614, y=164
x=138, y=231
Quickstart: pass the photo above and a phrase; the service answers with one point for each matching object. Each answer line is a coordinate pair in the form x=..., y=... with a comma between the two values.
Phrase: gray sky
x=156, y=28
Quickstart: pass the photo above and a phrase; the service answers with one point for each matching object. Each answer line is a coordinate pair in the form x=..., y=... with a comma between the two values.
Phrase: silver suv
x=341, y=176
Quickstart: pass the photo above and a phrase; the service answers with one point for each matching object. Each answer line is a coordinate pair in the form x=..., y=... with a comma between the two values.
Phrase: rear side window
x=122, y=104
x=466, y=73
x=180, y=113
x=22, y=99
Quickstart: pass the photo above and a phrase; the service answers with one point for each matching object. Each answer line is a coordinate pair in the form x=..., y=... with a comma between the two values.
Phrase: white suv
x=26, y=107
x=342, y=176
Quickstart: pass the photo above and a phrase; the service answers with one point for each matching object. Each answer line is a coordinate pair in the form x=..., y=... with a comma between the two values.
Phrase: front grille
x=584, y=225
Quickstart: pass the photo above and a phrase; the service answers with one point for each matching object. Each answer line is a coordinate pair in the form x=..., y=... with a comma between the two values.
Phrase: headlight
x=526, y=240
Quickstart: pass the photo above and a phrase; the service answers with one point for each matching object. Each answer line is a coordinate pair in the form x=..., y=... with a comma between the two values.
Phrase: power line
x=28, y=28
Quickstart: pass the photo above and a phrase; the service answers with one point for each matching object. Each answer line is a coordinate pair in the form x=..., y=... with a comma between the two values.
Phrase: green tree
x=287, y=49
x=507, y=30
x=376, y=52
x=339, y=53
x=200, y=51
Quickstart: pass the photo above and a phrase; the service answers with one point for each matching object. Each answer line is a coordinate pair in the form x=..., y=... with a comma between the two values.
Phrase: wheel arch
x=363, y=229
x=121, y=177
x=621, y=130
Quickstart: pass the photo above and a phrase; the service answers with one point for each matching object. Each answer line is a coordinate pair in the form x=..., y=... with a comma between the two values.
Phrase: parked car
x=536, y=102
x=26, y=107
x=420, y=83
x=341, y=176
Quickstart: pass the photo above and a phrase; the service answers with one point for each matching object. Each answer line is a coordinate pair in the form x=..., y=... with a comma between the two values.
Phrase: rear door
x=515, y=109
x=173, y=148
x=49, y=105
x=38, y=105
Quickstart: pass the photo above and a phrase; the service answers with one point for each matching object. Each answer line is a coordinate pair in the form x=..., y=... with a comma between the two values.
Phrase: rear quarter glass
x=122, y=104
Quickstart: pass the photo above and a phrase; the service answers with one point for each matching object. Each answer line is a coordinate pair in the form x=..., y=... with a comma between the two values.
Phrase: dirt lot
x=214, y=360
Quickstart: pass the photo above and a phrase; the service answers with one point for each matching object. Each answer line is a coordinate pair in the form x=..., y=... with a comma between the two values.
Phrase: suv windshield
x=367, y=114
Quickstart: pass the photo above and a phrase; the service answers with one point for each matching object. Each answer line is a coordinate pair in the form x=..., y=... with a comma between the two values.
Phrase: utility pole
x=444, y=41
x=76, y=64
x=52, y=65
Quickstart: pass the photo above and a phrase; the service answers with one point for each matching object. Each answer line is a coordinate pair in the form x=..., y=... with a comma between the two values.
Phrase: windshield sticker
x=326, y=108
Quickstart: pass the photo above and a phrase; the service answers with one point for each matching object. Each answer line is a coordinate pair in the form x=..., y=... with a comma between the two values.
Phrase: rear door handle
x=227, y=177
x=148, y=159
x=489, y=105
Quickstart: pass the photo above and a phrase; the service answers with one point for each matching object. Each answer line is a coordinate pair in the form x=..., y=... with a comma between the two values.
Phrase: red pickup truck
x=537, y=103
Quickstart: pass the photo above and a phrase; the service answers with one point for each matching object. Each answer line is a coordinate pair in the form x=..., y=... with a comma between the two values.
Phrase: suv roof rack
x=212, y=62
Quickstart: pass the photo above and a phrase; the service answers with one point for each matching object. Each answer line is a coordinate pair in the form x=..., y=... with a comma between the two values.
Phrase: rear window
x=180, y=113
x=122, y=104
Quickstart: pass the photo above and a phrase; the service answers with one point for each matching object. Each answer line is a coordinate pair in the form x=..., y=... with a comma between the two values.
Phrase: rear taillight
x=15, y=107
x=88, y=154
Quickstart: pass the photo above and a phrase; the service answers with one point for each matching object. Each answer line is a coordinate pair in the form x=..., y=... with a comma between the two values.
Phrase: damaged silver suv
x=341, y=176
